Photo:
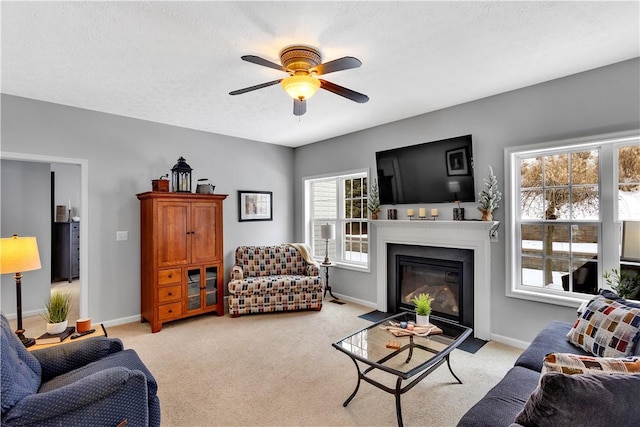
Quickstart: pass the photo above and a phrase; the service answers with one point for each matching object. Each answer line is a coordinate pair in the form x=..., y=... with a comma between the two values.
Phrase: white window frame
x=609, y=238
x=339, y=220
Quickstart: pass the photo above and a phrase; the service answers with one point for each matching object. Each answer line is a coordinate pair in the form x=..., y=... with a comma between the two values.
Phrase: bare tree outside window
x=559, y=196
x=629, y=183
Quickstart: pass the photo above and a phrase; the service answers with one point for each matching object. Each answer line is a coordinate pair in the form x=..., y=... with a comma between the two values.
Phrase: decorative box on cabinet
x=181, y=256
x=66, y=251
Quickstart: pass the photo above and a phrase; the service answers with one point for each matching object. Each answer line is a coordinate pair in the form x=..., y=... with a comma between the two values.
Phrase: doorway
x=83, y=299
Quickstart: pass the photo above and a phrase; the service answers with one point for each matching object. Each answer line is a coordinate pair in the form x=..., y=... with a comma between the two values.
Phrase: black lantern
x=181, y=177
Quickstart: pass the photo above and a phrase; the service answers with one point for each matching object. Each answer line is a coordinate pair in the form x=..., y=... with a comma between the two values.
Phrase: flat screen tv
x=433, y=172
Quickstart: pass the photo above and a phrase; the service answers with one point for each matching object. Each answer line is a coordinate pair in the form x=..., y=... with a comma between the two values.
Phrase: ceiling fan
x=303, y=63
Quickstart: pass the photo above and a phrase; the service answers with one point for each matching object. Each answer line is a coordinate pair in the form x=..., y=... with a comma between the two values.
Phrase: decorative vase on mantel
x=487, y=215
x=374, y=214
x=422, y=320
x=57, y=328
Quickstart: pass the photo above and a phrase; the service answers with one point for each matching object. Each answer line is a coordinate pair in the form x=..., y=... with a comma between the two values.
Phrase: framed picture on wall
x=457, y=162
x=255, y=205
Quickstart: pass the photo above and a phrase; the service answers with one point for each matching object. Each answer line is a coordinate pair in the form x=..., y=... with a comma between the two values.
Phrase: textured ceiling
x=176, y=62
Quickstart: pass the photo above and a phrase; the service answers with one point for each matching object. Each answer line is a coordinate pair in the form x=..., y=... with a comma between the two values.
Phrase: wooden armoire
x=181, y=256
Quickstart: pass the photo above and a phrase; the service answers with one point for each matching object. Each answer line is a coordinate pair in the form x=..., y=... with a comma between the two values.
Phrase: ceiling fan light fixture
x=300, y=86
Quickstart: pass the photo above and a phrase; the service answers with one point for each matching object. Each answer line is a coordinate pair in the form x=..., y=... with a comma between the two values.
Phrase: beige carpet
x=281, y=370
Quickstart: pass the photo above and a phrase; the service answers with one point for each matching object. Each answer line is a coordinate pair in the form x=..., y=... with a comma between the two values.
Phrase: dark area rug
x=375, y=316
x=470, y=345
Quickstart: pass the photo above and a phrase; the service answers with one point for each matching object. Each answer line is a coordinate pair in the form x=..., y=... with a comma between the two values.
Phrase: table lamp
x=327, y=232
x=17, y=255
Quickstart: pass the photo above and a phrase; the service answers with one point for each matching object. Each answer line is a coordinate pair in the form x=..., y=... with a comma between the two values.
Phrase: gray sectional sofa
x=504, y=402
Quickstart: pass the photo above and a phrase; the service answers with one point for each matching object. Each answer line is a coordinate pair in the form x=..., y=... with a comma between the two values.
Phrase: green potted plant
x=624, y=283
x=56, y=312
x=423, y=308
x=374, y=200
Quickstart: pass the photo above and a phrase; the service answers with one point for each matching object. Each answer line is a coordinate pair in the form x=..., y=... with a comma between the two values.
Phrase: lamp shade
x=454, y=186
x=328, y=231
x=19, y=254
x=631, y=240
x=300, y=87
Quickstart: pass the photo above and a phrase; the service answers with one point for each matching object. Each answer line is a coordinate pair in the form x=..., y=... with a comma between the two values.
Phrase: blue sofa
x=94, y=382
x=504, y=402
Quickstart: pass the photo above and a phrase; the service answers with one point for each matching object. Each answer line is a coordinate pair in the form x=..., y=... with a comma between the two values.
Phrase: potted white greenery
x=489, y=197
x=56, y=312
x=423, y=308
x=374, y=200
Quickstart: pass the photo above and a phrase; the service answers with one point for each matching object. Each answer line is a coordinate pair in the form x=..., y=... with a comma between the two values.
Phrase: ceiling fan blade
x=299, y=107
x=340, y=64
x=343, y=91
x=261, y=61
x=250, y=88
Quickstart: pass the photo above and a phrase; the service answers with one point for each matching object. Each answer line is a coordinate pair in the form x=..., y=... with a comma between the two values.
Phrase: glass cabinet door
x=194, y=301
x=202, y=287
x=211, y=286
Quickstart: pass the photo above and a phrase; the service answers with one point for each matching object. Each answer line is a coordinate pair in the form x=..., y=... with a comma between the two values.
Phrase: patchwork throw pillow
x=570, y=364
x=607, y=328
x=617, y=298
x=583, y=400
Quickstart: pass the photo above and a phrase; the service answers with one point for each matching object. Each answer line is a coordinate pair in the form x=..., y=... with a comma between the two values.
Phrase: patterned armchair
x=274, y=278
x=90, y=382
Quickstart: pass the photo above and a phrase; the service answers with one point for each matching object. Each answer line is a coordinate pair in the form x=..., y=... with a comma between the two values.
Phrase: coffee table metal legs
x=398, y=390
x=346, y=402
x=451, y=370
x=398, y=393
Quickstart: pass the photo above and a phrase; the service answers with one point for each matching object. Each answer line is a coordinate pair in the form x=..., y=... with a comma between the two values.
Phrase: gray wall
x=123, y=156
x=67, y=187
x=25, y=211
x=598, y=101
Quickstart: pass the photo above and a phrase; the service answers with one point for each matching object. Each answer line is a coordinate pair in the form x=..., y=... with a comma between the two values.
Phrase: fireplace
x=474, y=236
x=446, y=274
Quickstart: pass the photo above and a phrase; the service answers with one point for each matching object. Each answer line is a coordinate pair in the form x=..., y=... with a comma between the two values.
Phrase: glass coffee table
x=410, y=358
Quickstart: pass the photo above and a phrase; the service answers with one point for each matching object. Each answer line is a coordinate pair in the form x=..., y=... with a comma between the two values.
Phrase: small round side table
x=327, y=286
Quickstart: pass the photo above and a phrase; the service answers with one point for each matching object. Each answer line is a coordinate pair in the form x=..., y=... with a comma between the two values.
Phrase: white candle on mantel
x=69, y=204
x=434, y=212
x=409, y=212
x=422, y=212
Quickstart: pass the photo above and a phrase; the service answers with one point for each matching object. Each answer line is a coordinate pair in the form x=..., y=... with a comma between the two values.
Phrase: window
x=629, y=183
x=567, y=201
x=340, y=200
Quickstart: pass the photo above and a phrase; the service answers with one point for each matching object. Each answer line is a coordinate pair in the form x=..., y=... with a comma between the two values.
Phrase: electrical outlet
x=122, y=235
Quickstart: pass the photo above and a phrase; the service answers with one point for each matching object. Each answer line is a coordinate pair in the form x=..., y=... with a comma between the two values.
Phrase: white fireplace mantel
x=474, y=235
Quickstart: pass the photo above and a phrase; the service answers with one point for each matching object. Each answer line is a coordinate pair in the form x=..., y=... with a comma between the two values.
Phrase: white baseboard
x=509, y=341
x=14, y=316
x=354, y=300
x=121, y=321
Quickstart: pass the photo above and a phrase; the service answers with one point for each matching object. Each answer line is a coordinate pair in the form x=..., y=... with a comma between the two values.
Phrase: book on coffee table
x=55, y=338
